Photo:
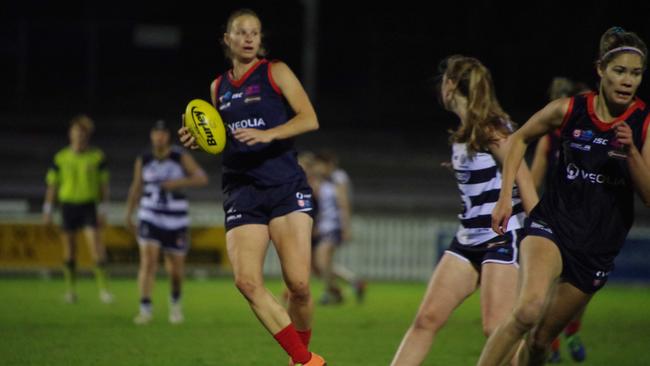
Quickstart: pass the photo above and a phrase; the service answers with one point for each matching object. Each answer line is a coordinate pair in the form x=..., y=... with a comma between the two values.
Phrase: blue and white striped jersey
x=328, y=218
x=161, y=208
x=479, y=182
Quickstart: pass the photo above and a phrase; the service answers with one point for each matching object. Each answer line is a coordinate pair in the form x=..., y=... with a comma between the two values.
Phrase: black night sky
x=375, y=63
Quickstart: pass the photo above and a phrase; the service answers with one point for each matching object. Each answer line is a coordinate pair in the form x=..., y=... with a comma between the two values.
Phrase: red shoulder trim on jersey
x=217, y=82
x=569, y=110
x=603, y=126
x=270, y=75
x=242, y=80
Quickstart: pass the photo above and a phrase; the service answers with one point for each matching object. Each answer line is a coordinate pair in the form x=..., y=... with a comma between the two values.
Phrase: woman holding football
x=264, y=105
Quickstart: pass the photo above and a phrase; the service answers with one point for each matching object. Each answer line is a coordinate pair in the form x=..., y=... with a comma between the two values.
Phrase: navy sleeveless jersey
x=254, y=101
x=589, y=202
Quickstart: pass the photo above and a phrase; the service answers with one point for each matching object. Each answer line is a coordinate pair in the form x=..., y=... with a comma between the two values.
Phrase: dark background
x=376, y=63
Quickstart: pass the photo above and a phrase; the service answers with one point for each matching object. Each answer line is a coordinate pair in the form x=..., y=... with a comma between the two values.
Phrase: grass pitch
x=38, y=328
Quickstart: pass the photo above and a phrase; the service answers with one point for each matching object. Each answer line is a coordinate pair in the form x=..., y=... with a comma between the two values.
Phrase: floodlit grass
x=38, y=328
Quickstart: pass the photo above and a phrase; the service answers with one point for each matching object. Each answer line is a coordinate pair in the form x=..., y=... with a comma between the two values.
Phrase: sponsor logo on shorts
x=303, y=200
x=237, y=95
x=497, y=243
x=601, y=277
x=503, y=250
x=233, y=217
x=541, y=226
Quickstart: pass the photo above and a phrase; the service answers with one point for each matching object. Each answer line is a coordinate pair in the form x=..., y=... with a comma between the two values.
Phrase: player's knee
x=148, y=267
x=526, y=315
x=429, y=320
x=248, y=286
x=299, y=291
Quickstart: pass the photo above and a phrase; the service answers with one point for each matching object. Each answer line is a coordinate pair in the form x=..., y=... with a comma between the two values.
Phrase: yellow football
x=205, y=124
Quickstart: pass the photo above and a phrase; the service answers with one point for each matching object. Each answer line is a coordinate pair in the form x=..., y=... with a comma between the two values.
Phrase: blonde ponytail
x=485, y=118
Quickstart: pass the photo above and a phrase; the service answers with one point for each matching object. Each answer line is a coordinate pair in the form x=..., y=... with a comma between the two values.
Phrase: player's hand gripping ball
x=205, y=125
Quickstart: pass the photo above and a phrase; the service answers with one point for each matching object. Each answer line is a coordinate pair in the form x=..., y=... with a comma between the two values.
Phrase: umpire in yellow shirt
x=78, y=178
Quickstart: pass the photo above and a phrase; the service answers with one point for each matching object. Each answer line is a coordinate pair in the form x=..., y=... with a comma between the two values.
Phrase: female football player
x=263, y=106
x=477, y=257
x=580, y=224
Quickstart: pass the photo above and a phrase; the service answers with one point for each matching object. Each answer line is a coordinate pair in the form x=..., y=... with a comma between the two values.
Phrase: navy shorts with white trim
x=174, y=241
x=500, y=249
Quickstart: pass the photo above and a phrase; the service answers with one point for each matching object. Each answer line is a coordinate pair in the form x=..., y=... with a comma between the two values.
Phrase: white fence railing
x=384, y=246
x=407, y=248
x=390, y=248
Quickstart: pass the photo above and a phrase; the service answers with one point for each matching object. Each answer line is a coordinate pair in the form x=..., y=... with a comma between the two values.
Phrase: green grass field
x=37, y=328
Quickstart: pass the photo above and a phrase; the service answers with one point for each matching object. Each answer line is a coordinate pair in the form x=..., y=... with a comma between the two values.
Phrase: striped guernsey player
x=159, y=176
x=477, y=257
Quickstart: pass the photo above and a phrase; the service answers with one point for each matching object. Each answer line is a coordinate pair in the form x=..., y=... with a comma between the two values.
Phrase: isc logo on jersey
x=600, y=141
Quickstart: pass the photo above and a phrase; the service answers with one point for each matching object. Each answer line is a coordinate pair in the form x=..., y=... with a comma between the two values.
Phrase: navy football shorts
x=334, y=237
x=579, y=269
x=172, y=241
x=250, y=204
x=500, y=249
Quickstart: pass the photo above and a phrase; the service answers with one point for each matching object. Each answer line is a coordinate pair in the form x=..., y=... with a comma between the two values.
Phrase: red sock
x=292, y=344
x=572, y=328
x=305, y=336
x=555, y=346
